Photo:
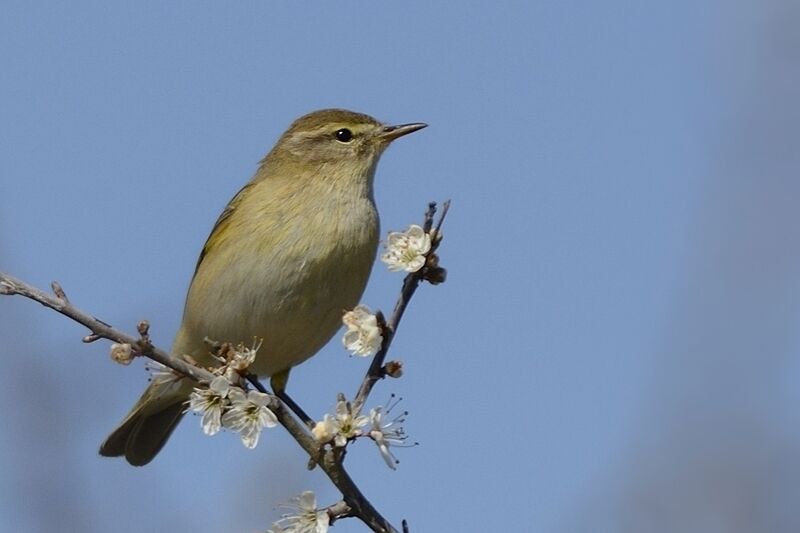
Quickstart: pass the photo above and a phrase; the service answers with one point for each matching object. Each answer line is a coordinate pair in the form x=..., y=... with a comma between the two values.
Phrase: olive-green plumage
x=289, y=253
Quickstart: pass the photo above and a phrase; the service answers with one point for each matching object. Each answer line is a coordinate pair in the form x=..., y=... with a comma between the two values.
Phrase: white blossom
x=248, y=415
x=211, y=403
x=243, y=357
x=340, y=427
x=305, y=519
x=325, y=429
x=387, y=433
x=349, y=426
x=405, y=250
x=363, y=336
x=122, y=353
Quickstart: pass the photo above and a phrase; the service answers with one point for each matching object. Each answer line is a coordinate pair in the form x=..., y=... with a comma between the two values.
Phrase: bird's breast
x=284, y=279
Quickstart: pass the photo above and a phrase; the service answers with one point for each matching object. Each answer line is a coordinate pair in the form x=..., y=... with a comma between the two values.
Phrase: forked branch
x=330, y=461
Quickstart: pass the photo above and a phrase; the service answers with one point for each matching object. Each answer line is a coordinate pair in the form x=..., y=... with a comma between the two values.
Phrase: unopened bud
x=436, y=275
x=121, y=353
x=323, y=431
x=393, y=369
x=143, y=327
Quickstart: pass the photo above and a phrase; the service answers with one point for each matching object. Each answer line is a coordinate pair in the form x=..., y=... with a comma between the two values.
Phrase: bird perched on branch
x=290, y=252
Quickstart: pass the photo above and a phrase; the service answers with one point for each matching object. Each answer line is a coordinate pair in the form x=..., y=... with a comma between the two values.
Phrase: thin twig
x=445, y=209
x=338, y=511
x=376, y=371
x=10, y=285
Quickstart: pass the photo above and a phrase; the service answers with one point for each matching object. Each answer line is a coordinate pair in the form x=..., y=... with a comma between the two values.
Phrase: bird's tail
x=145, y=430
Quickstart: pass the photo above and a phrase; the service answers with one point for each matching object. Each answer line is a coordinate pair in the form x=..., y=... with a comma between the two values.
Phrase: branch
x=432, y=272
x=10, y=285
x=330, y=462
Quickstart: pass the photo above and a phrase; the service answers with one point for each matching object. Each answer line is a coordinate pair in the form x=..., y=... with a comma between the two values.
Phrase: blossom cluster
x=226, y=405
x=405, y=250
x=345, y=425
x=338, y=430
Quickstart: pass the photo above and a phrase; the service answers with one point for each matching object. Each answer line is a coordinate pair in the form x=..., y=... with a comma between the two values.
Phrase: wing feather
x=220, y=226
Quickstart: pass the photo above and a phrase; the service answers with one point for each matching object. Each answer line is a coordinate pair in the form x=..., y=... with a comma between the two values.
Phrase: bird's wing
x=220, y=225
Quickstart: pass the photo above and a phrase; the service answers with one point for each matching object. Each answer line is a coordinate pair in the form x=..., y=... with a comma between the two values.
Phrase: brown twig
x=338, y=511
x=376, y=370
x=10, y=285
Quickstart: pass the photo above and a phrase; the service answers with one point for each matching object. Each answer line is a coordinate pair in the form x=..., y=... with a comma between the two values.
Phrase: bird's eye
x=344, y=135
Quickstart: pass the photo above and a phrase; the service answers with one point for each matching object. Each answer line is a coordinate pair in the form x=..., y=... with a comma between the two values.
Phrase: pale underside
x=287, y=279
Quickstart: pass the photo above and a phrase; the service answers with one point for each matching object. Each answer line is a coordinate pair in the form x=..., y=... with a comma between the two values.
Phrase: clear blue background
x=615, y=349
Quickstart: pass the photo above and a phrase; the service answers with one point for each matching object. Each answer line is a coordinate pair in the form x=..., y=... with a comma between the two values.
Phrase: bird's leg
x=278, y=384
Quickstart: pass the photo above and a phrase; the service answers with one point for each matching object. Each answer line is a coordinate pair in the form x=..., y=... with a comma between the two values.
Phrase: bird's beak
x=391, y=133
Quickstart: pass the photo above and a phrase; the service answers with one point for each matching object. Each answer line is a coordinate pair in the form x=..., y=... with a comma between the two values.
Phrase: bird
x=291, y=251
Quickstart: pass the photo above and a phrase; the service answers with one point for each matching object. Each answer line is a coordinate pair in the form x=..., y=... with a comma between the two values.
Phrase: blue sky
x=617, y=337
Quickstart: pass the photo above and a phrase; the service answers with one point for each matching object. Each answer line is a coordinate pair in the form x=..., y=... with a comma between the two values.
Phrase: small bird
x=288, y=255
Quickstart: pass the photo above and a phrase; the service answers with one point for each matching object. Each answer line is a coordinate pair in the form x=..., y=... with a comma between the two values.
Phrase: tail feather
x=145, y=430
